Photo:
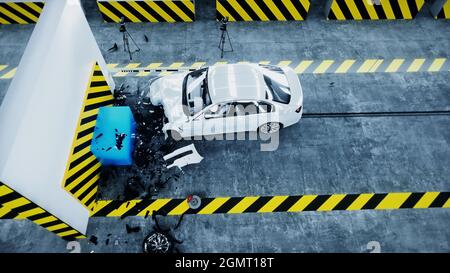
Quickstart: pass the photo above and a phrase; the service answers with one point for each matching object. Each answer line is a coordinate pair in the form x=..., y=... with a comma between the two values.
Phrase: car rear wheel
x=270, y=128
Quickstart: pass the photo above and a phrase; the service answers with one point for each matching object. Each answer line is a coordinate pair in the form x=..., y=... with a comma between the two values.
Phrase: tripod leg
x=221, y=38
x=134, y=42
x=222, y=49
x=229, y=40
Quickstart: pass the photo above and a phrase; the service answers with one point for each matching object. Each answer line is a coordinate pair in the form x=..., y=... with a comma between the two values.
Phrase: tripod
x=126, y=41
x=223, y=37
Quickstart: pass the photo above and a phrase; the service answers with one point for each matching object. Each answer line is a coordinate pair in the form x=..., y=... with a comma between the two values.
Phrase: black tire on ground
x=157, y=242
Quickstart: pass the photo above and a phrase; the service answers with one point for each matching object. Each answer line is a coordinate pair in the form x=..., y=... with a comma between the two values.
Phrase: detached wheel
x=157, y=242
x=175, y=135
x=270, y=128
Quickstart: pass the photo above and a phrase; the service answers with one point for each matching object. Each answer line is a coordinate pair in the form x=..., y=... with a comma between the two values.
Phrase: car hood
x=167, y=91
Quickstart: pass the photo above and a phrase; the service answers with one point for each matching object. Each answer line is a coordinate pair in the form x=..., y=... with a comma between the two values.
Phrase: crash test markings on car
x=228, y=98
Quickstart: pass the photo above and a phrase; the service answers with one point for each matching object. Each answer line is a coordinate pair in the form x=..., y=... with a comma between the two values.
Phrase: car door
x=211, y=121
x=245, y=116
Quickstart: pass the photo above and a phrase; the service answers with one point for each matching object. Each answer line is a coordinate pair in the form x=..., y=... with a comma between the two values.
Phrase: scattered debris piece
x=146, y=38
x=194, y=201
x=132, y=229
x=113, y=48
x=119, y=139
x=133, y=188
x=107, y=241
x=184, y=156
x=94, y=240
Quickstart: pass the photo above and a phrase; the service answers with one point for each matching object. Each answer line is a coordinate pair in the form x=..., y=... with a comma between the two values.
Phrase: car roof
x=235, y=82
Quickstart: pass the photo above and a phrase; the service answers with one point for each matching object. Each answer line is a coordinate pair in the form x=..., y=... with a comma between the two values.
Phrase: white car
x=227, y=99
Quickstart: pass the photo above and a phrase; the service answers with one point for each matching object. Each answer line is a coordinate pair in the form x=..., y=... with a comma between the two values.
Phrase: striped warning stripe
x=369, y=10
x=268, y=204
x=148, y=11
x=15, y=206
x=262, y=10
x=395, y=65
x=83, y=169
x=444, y=13
x=20, y=12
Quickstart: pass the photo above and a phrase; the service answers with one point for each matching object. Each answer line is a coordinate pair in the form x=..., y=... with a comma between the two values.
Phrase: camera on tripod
x=122, y=27
x=223, y=24
x=126, y=37
x=224, y=36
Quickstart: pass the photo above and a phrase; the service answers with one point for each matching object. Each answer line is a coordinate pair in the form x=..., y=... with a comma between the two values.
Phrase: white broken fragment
x=191, y=158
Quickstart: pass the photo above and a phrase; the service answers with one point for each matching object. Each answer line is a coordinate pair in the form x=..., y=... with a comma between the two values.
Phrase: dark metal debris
x=93, y=239
x=132, y=229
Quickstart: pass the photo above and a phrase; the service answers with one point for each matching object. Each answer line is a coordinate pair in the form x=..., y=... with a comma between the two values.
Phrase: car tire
x=157, y=243
x=270, y=128
x=175, y=135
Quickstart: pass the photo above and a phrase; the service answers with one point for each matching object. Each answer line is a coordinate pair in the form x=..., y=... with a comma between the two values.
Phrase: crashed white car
x=228, y=99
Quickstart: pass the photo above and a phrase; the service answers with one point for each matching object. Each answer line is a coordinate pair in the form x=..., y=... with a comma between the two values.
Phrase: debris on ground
x=149, y=172
x=161, y=240
x=93, y=239
x=113, y=48
x=184, y=156
x=132, y=229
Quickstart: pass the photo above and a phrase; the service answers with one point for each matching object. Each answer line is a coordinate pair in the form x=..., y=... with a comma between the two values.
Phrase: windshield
x=195, y=91
x=277, y=84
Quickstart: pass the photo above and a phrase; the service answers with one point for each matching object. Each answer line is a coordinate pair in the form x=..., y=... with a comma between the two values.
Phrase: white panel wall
x=39, y=113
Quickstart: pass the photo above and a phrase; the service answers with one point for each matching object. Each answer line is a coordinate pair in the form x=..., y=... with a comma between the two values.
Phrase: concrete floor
x=316, y=156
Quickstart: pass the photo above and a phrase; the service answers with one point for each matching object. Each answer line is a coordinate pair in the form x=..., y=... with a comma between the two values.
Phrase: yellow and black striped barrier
x=395, y=65
x=327, y=66
x=83, y=169
x=20, y=12
x=138, y=11
x=262, y=10
x=270, y=204
x=443, y=10
x=15, y=206
x=373, y=9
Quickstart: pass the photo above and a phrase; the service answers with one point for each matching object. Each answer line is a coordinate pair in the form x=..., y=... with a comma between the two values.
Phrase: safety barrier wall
x=20, y=11
x=262, y=10
x=154, y=11
x=83, y=169
x=372, y=9
x=14, y=206
x=440, y=9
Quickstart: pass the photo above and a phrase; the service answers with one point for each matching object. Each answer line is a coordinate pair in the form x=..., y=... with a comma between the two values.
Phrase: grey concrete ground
x=317, y=155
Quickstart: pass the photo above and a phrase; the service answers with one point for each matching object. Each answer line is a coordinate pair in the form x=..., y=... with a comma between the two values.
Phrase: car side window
x=264, y=107
x=243, y=109
x=218, y=110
